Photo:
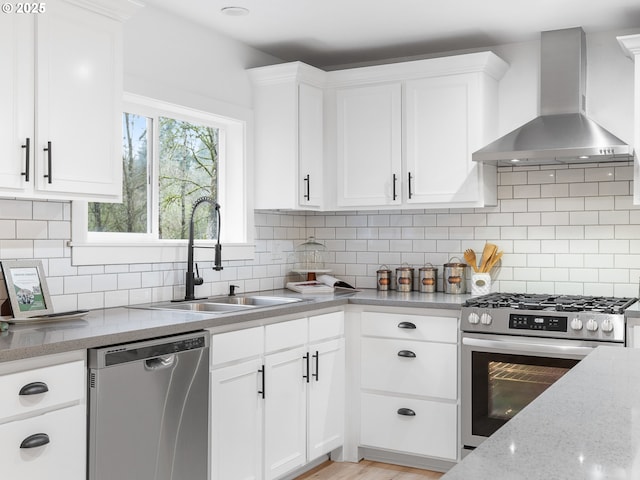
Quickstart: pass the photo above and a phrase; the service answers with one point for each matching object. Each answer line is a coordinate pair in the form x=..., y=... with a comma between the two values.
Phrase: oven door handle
x=528, y=347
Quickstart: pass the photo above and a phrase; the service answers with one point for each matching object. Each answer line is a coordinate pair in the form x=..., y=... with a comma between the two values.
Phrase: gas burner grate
x=557, y=303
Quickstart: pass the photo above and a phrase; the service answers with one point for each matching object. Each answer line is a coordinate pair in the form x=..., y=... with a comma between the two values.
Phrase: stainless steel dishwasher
x=149, y=410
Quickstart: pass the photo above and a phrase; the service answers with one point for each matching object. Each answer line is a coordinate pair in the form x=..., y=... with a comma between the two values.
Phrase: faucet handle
x=232, y=290
x=197, y=279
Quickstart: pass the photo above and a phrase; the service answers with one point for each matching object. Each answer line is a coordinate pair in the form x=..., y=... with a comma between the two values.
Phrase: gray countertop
x=125, y=324
x=585, y=426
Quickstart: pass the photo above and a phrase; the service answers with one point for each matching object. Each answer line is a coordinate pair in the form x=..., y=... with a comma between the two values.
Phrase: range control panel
x=548, y=323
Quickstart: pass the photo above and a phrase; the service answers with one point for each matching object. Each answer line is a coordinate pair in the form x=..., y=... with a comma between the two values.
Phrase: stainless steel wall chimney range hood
x=562, y=134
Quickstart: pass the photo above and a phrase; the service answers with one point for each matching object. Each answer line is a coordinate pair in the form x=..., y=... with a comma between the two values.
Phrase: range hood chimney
x=562, y=134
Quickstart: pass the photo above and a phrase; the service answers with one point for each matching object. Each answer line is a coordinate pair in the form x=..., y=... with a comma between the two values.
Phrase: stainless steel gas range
x=514, y=346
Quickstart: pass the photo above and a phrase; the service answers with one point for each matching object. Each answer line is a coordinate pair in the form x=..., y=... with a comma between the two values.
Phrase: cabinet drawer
x=329, y=325
x=63, y=383
x=431, y=431
x=414, y=327
x=390, y=365
x=287, y=334
x=64, y=455
x=231, y=346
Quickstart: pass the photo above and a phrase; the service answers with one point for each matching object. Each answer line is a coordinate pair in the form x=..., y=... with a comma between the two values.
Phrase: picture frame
x=27, y=288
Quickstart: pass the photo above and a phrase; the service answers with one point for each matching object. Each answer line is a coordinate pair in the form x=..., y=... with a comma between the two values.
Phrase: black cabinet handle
x=261, y=371
x=407, y=412
x=395, y=179
x=35, y=440
x=48, y=176
x=306, y=358
x=27, y=146
x=410, y=186
x=34, y=388
x=317, y=357
x=407, y=325
x=308, y=189
x=406, y=354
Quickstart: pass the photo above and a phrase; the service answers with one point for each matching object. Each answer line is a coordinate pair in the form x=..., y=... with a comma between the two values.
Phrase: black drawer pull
x=27, y=147
x=408, y=325
x=407, y=412
x=306, y=359
x=48, y=176
x=34, y=388
x=35, y=440
x=406, y=354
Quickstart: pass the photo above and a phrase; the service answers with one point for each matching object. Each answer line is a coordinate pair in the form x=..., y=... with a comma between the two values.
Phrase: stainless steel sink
x=222, y=304
x=254, y=300
x=201, y=306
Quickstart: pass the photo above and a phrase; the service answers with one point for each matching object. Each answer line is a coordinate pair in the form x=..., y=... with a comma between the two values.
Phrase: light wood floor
x=366, y=470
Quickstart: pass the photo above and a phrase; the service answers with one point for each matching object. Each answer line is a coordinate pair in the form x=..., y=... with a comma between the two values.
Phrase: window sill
x=157, y=252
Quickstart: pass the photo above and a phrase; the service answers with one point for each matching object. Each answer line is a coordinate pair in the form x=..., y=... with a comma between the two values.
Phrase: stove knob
x=607, y=325
x=592, y=325
x=576, y=324
x=485, y=319
x=473, y=318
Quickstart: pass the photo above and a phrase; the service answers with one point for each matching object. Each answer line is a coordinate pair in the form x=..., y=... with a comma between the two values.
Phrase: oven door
x=502, y=374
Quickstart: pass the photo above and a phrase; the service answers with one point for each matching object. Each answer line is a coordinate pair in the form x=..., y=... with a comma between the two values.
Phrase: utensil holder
x=480, y=284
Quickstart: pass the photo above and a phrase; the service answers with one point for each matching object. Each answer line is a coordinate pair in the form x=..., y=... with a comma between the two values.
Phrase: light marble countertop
x=586, y=426
x=112, y=326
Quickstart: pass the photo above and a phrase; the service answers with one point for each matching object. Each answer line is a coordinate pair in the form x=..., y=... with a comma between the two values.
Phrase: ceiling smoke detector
x=235, y=11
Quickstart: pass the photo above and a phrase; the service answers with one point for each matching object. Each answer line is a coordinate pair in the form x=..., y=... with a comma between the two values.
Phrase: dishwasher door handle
x=158, y=363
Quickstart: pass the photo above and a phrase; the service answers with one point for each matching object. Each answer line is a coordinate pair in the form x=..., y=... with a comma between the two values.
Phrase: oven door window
x=503, y=384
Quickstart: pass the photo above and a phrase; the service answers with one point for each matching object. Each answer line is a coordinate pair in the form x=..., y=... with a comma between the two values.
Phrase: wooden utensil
x=470, y=257
x=493, y=261
x=489, y=250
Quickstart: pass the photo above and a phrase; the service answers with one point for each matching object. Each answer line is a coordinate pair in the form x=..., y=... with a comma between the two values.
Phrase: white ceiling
x=332, y=32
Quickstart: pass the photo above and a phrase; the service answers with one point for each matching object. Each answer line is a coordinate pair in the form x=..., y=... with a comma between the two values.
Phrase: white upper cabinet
x=289, y=166
x=443, y=126
x=631, y=46
x=409, y=129
x=17, y=100
x=65, y=68
x=369, y=145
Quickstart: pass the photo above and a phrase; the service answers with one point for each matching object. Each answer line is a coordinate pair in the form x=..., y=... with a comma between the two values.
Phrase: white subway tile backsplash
x=540, y=177
x=554, y=218
x=515, y=233
x=530, y=218
x=599, y=174
x=515, y=205
x=563, y=230
x=554, y=190
x=569, y=204
x=614, y=188
x=31, y=229
x=554, y=246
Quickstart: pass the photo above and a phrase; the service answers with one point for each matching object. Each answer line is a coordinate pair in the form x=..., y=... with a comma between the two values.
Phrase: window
x=171, y=156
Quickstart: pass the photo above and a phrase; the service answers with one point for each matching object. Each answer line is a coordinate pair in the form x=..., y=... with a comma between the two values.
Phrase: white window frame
x=234, y=196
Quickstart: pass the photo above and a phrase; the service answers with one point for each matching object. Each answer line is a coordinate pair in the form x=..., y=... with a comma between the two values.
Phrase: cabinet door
x=16, y=99
x=236, y=422
x=438, y=135
x=62, y=458
x=79, y=94
x=310, y=146
x=369, y=145
x=285, y=412
x=326, y=398
x=409, y=425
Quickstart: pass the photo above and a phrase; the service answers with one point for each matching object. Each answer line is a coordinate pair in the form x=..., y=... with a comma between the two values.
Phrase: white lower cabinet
x=43, y=418
x=409, y=425
x=236, y=418
x=277, y=397
x=285, y=412
x=51, y=446
x=409, y=383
